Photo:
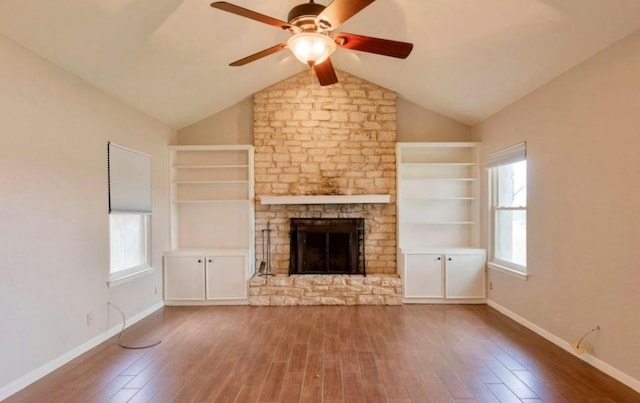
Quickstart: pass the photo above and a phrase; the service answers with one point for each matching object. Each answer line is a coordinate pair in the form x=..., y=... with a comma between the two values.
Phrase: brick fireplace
x=336, y=140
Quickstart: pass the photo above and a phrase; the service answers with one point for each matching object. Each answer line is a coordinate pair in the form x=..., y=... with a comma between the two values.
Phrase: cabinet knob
x=449, y=259
x=210, y=260
x=439, y=258
x=199, y=260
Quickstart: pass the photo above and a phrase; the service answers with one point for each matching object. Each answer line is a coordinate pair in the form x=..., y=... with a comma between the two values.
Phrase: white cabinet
x=464, y=275
x=226, y=277
x=184, y=278
x=200, y=278
x=429, y=276
x=423, y=274
x=212, y=225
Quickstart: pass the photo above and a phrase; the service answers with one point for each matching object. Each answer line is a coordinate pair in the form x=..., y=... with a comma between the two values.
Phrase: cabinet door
x=465, y=275
x=184, y=278
x=226, y=277
x=423, y=276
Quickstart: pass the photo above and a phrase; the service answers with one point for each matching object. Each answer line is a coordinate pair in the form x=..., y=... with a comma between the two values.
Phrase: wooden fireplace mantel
x=326, y=199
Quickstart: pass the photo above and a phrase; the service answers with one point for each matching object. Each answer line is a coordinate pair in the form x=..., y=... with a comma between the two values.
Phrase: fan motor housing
x=303, y=13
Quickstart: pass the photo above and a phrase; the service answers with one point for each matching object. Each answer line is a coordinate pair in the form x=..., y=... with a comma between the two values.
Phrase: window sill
x=116, y=281
x=507, y=270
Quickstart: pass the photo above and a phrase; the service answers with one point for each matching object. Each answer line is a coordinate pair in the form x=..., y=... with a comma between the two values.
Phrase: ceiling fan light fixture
x=311, y=48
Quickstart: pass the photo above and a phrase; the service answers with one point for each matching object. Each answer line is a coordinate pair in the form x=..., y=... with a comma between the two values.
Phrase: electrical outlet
x=577, y=348
x=89, y=318
x=490, y=285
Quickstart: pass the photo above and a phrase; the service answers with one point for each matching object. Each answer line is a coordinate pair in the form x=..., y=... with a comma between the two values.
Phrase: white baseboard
x=31, y=377
x=190, y=302
x=588, y=358
x=444, y=301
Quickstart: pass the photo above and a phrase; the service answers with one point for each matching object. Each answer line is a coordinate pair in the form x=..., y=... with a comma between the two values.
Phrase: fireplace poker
x=263, y=262
x=266, y=233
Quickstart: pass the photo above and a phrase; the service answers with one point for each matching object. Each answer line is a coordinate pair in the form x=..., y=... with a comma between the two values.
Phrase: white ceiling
x=169, y=58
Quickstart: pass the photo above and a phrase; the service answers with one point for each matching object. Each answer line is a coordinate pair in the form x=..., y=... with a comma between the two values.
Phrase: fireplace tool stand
x=266, y=252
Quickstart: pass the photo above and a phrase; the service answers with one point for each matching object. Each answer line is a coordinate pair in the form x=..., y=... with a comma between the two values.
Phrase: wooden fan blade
x=259, y=55
x=244, y=12
x=378, y=46
x=339, y=11
x=325, y=72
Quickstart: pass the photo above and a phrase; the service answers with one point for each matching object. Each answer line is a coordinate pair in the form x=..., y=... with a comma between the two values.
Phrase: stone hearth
x=377, y=289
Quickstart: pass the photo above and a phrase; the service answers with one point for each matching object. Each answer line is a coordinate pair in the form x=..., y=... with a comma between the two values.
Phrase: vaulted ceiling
x=169, y=58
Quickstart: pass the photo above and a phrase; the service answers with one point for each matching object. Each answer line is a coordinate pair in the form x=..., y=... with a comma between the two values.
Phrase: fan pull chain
x=313, y=84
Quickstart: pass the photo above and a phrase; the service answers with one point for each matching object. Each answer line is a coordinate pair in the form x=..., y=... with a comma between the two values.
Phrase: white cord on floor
x=122, y=331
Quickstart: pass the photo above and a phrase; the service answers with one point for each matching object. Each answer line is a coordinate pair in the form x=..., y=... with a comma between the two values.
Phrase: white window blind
x=129, y=174
x=509, y=155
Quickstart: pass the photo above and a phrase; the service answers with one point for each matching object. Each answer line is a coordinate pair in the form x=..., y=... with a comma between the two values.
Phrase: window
x=129, y=243
x=129, y=179
x=508, y=182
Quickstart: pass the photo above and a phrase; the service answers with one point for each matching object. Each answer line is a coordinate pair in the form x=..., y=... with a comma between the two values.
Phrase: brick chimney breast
x=335, y=140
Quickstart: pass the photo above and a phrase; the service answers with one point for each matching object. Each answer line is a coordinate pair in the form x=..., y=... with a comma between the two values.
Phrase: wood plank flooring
x=415, y=353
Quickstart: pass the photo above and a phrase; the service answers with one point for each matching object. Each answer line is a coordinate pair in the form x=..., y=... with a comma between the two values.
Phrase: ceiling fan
x=313, y=38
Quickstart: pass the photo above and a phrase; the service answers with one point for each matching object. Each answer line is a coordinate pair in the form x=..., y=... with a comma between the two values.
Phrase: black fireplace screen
x=327, y=246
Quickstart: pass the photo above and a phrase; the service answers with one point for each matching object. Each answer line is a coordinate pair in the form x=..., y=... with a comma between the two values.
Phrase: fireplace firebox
x=327, y=246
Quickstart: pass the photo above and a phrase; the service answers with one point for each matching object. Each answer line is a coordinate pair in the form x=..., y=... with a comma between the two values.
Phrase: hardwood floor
x=415, y=353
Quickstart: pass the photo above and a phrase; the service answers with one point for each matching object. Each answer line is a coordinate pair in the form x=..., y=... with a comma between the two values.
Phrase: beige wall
x=54, y=258
x=583, y=139
x=233, y=125
x=417, y=124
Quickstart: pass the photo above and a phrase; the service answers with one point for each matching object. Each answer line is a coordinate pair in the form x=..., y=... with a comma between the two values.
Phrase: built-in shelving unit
x=212, y=214
x=438, y=195
x=211, y=197
x=438, y=211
